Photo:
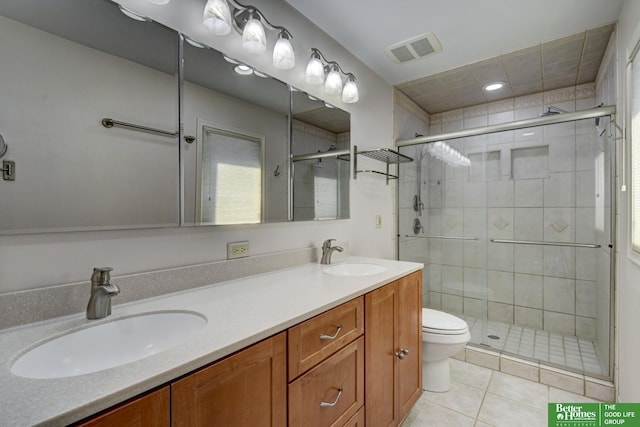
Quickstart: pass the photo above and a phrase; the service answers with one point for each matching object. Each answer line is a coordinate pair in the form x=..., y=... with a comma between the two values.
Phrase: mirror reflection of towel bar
x=109, y=123
x=444, y=237
x=534, y=242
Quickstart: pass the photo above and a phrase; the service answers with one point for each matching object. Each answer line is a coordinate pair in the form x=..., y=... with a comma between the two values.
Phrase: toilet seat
x=441, y=323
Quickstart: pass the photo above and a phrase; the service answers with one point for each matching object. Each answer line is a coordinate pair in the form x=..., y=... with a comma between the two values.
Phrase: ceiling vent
x=414, y=48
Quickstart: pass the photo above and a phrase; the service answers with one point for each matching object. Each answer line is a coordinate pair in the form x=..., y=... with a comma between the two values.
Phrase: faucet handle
x=327, y=243
x=103, y=274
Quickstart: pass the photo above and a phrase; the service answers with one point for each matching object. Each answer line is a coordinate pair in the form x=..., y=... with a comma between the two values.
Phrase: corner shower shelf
x=385, y=155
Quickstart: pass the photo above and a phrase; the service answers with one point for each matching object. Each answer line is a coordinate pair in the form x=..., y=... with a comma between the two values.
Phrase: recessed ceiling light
x=493, y=86
x=231, y=60
x=242, y=69
x=194, y=43
x=133, y=15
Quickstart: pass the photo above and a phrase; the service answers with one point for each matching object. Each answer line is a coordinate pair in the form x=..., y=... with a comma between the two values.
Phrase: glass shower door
x=514, y=229
x=443, y=224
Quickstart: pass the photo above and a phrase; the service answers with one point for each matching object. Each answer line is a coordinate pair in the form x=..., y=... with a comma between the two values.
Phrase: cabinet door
x=380, y=348
x=149, y=410
x=409, y=339
x=393, y=337
x=245, y=389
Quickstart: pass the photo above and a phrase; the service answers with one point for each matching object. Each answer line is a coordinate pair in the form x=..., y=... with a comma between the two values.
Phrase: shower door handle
x=535, y=242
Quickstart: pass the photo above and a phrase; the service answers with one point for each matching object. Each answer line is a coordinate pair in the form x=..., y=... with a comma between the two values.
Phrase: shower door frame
x=593, y=113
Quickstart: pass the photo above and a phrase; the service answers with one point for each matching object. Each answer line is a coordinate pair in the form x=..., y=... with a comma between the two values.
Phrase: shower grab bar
x=444, y=237
x=535, y=242
x=109, y=123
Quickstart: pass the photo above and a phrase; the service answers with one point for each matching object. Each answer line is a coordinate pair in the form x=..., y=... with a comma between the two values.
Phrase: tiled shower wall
x=543, y=186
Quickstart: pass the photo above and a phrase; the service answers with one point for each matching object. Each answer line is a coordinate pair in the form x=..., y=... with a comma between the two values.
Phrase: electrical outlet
x=378, y=221
x=237, y=249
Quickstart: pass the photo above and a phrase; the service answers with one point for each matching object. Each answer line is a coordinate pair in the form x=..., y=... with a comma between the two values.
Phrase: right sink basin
x=354, y=269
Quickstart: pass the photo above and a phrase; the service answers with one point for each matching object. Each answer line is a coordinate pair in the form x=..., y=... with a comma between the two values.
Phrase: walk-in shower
x=516, y=234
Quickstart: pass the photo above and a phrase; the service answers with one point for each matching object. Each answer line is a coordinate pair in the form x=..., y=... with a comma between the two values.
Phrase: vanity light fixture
x=254, y=40
x=220, y=15
x=318, y=65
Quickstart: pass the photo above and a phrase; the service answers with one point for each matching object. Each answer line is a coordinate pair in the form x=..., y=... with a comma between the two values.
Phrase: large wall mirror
x=66, y=65
x=320, y=147
x=235, y=172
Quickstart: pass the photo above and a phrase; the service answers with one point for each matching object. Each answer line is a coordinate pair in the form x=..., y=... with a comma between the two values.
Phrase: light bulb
x=217, y=17
x=333, y=83
x=350, y=92
x=254, y=39
x=314, y=74
x=283, y=56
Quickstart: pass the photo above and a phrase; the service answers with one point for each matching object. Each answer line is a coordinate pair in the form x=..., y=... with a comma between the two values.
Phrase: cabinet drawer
x=313, y=341
x=332, y=392
x=357, y=420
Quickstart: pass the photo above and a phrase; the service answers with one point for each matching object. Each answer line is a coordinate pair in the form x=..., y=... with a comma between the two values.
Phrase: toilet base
x=435, y=376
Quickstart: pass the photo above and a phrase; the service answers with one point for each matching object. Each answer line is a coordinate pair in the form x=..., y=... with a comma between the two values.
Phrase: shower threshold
x=565, y=350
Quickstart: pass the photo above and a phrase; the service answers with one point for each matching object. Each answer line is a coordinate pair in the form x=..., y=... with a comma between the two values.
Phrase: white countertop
x=239, y=313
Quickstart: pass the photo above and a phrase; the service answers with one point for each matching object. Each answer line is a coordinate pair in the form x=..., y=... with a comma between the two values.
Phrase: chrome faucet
x=101, y=292
x=327, y=251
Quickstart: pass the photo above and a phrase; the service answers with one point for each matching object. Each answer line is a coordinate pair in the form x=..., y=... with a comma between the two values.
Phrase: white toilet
x=443, y=335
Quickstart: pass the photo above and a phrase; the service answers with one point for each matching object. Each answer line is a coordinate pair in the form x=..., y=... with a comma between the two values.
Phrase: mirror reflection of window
x=231, y=177
x=326, y=189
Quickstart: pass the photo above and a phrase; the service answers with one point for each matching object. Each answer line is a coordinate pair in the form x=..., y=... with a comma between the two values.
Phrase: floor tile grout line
x=484, y=396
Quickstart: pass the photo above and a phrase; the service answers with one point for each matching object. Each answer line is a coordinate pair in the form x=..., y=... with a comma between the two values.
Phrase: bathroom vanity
x=298, y=346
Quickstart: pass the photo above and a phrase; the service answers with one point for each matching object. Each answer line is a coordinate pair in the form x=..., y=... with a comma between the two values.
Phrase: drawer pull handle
x=327, y=404
x=402, y=353
x=331, y=337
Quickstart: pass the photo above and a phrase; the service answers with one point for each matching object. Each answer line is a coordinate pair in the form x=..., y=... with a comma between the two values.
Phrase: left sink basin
x=107, y=345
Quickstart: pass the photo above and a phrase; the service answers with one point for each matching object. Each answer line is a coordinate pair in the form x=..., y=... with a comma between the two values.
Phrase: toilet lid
x=439, y=321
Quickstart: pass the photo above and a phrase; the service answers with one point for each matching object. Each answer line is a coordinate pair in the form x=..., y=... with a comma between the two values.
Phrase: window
x=231, y=177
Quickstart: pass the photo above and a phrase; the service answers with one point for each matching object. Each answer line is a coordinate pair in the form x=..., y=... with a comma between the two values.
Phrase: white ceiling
x=469, y=30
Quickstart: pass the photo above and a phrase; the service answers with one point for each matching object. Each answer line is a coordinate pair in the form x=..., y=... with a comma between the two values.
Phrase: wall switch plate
x=237, y=250
x=378, y=221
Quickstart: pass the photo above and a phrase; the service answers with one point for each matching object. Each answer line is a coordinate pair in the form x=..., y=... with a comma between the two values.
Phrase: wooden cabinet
x=245, y=389
x=393, y=350
x=148, y=410
x=359, y=362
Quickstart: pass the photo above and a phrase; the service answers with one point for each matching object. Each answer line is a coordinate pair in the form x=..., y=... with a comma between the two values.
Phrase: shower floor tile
x=545, y=346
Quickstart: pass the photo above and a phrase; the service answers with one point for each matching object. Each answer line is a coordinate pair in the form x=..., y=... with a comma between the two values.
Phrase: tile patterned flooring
x=481, y=397
x=537, y=344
